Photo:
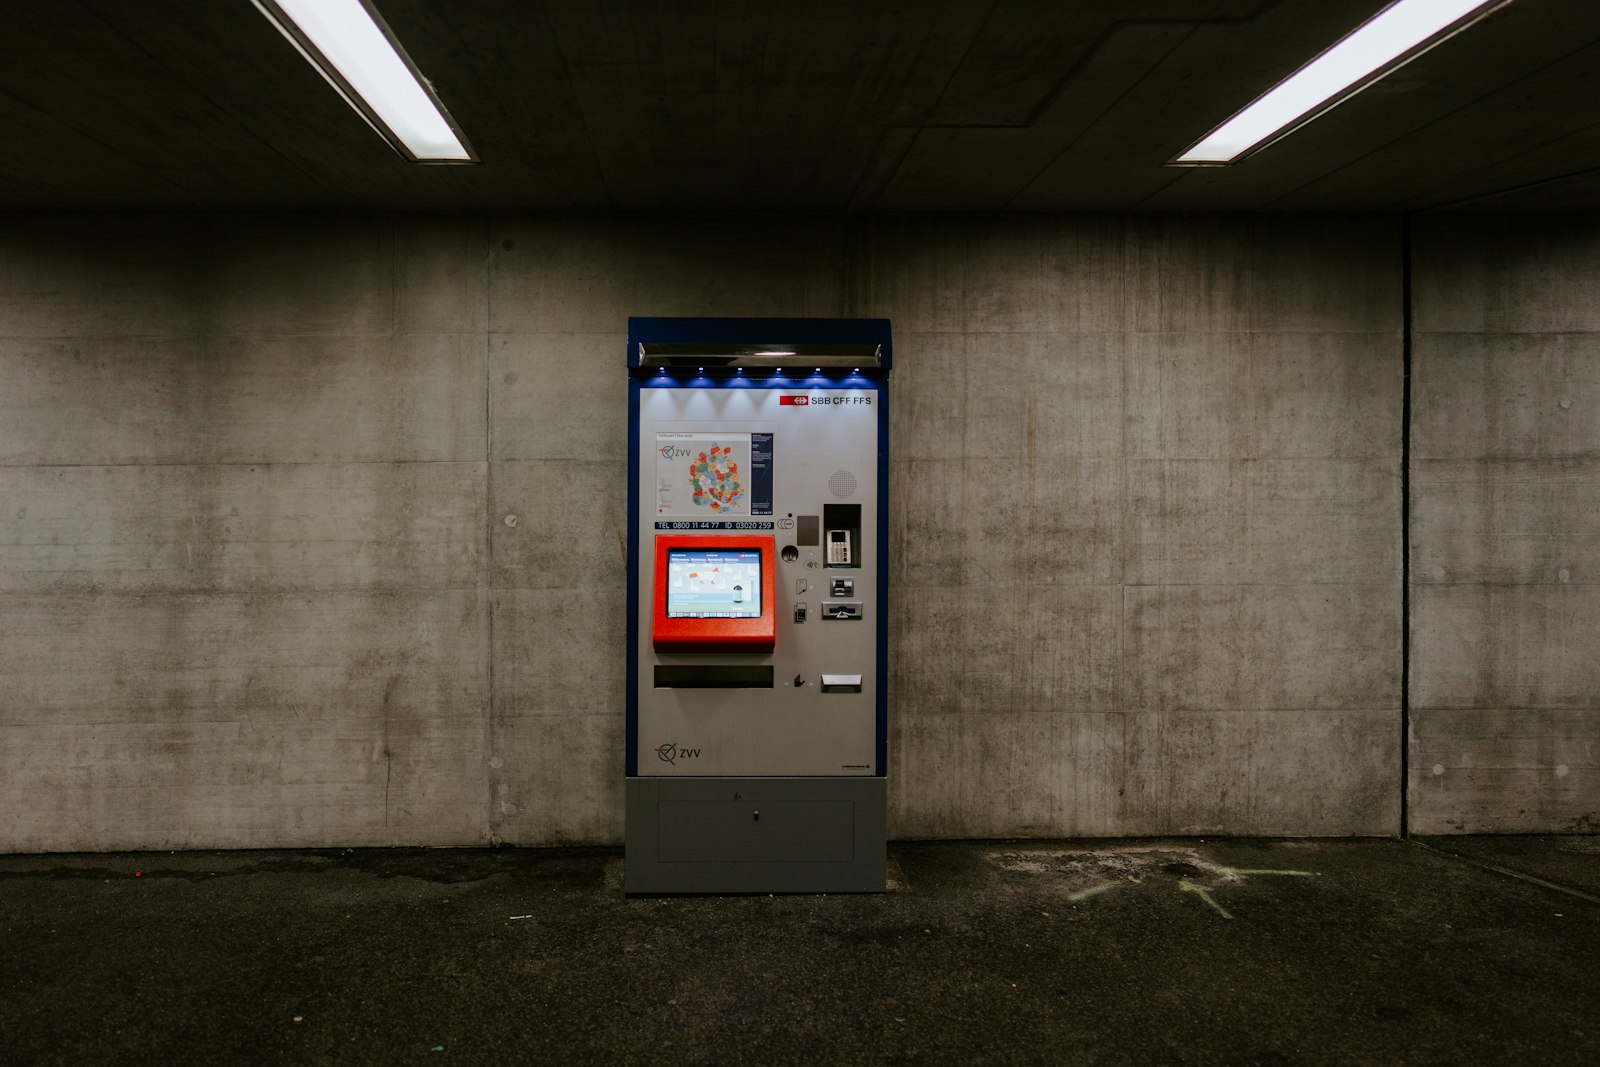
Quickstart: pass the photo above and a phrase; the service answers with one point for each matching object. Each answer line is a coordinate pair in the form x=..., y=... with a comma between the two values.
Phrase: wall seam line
x=492, y=732
x=1405, y=525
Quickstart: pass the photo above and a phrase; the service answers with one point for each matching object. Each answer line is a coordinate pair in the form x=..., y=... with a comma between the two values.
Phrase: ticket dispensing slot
x=713, y=676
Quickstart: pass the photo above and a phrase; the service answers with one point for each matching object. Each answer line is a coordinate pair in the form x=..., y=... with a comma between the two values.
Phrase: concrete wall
x=243, y=547
x=257, y=587
x=1161, y=459
x=1505, y=526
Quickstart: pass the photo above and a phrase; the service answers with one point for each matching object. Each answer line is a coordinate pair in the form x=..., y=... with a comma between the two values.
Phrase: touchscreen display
x=713, y=585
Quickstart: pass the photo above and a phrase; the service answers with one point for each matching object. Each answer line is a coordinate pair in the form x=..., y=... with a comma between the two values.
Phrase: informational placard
x=713, y=477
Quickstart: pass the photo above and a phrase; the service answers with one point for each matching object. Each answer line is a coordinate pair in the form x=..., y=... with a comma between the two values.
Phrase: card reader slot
x=713, y=676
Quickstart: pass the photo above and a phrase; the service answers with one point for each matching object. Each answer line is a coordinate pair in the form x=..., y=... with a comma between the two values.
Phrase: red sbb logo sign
x=825, y=400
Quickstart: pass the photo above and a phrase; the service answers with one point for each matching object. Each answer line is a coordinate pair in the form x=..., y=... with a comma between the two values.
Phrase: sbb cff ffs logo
x=797, y=400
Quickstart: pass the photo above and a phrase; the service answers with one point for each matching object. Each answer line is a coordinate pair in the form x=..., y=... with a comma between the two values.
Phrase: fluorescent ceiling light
x=1391, y=38
x=352, y=47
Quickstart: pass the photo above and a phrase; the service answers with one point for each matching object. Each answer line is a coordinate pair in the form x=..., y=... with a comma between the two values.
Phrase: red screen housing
x=756, y=634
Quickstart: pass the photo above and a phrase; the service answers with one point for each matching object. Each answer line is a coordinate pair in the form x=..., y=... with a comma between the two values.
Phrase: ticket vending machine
x=757, y=625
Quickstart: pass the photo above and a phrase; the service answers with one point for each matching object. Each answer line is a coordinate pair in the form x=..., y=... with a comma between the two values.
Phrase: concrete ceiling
x=795, y=105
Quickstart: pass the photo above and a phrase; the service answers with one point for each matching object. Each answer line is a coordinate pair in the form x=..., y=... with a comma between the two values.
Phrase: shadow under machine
x=757, y=633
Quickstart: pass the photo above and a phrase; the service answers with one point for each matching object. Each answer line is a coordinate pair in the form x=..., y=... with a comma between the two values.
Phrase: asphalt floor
x=1464, y=950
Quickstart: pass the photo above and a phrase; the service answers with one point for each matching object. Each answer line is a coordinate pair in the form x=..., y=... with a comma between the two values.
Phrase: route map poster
x=713, y=476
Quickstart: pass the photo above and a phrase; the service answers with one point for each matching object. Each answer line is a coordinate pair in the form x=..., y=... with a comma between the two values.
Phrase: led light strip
x=352, y=47
x=1384, y=43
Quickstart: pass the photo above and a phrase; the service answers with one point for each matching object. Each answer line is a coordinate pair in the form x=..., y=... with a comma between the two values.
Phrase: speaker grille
x=842, y=484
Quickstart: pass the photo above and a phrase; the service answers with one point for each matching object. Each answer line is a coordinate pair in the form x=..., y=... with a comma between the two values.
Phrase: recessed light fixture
x=1384, y=43
x=353, y=48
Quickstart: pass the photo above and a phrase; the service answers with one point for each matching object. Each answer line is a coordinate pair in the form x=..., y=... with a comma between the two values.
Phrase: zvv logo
x=671, y=753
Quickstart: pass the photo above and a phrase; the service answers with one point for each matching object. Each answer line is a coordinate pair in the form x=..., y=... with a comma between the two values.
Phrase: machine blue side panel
x=632, y=763
x=883, y=579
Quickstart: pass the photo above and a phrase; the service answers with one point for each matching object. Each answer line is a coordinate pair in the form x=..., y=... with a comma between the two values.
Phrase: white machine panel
x=801, y=464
